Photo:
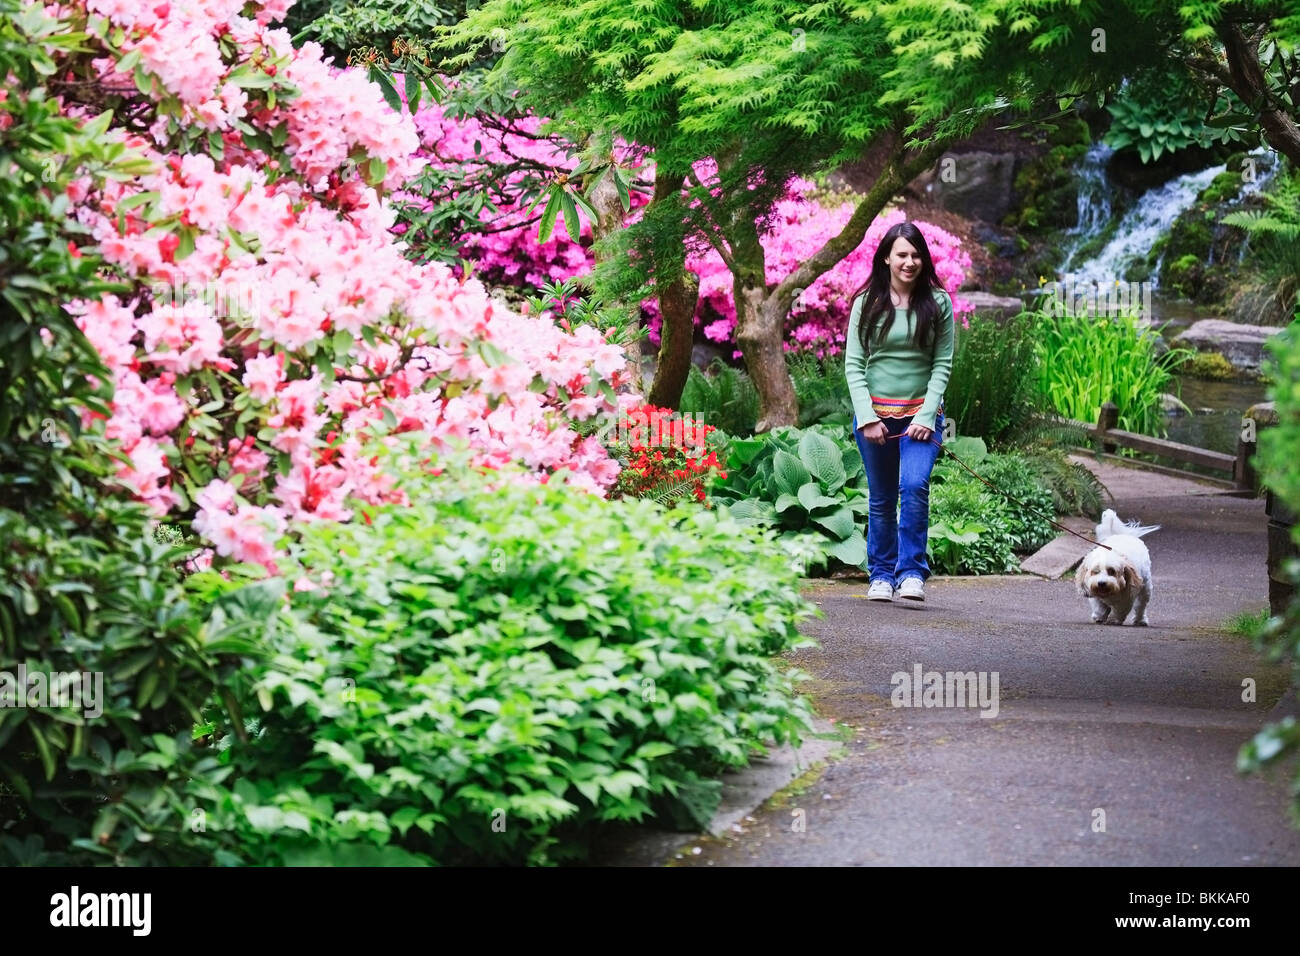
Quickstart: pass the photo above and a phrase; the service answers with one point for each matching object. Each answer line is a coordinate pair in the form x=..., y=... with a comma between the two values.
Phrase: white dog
x=1117, y=578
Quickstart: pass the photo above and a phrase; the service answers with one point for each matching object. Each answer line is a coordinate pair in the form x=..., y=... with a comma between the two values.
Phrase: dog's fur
x=1119, y=579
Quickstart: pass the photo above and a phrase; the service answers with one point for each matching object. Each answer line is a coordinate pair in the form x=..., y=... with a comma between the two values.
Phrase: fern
x=820, y=389
x=1076, y=490
x=1274, y=237
x=671, y=490
x=726, y=398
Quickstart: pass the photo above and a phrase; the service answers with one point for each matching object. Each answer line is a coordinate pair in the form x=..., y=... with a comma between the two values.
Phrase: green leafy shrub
x=723, y=397
x=963, y=506
x=974, y=530
x=86, y=587
x=1074, y=488
x=992, y=392
x=1160, y=112
x=1014, y=476
x=949, y=538
x=1274, y=236
x=531, y=661
x=800, y=481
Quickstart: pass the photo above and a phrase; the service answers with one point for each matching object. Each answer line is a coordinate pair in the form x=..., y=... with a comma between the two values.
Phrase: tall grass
x=1087, y=360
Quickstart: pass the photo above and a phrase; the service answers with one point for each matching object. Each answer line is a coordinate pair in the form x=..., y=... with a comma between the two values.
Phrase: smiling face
x=905, y=264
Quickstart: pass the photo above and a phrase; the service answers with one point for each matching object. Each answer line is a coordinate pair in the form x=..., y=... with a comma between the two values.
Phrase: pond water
x=1217, y=407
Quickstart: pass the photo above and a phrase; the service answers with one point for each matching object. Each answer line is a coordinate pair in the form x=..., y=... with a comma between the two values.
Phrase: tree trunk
x=677, y=301
x=760, y=335
x=1249, y=82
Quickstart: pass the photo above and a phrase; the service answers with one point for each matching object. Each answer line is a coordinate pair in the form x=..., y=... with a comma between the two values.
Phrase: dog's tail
x=1110, y=525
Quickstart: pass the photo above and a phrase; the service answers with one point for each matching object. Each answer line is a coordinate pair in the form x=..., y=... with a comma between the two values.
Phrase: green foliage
x=351, y=28
x=1279, y=637
x=1248, y=623
x=724, y=397
x=974, y=530
x=992, y=393
x=1069, y=50
x=1210, y=365
x=1075, y=489
x=532, y=661
x=1015, y=477
x=1087, y=360
x=570, y=302
x=1162, y=116
x=1274, y=236
x=821, y=390
x=801, y=481
x=85, y=586
x=957, y=509
x=948, y=540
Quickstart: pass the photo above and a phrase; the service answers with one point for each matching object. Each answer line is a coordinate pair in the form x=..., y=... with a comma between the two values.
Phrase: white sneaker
x=880, y=590
x=913, y=589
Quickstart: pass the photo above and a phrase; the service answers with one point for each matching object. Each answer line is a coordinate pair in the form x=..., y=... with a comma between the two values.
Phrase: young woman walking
x=897, y=360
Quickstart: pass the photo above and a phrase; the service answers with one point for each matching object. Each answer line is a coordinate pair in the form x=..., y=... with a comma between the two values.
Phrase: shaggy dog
x=1117, y=578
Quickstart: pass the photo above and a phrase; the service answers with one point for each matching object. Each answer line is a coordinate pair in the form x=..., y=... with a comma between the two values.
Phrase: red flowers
x=661, y=451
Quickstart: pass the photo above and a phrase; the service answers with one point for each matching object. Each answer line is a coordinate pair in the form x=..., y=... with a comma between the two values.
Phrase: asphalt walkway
x=1110, y=745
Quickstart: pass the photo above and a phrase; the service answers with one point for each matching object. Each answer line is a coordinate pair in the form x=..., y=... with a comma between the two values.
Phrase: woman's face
x=904, y=263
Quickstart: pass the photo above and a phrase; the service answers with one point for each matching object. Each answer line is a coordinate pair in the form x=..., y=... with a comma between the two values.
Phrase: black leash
x=1019, y=504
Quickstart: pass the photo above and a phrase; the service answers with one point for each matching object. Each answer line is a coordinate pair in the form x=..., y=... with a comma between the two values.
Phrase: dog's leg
x=1140, y=606
x=1100, y=610
x=1121, y=608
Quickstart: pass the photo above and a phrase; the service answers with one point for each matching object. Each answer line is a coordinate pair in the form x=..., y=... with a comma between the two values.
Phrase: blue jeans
x=898, y=469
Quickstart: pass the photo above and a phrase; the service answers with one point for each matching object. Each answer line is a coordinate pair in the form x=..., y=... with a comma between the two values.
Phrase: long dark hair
x=879, y=305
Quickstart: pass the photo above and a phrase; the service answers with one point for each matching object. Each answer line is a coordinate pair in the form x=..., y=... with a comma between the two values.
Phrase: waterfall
x=1148, y=220
x=1094, y=194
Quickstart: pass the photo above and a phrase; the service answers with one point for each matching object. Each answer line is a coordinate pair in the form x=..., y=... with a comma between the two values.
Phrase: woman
x=897, y=360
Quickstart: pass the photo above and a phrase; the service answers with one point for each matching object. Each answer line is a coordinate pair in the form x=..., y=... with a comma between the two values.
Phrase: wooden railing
x=1238, y=469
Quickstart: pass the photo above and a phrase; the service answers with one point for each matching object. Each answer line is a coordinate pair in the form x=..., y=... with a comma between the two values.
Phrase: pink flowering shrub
x=510, y=253
x=819, y=318
x=274, y=332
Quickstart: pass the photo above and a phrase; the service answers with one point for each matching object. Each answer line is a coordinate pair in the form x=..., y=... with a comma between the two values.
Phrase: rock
x=705, y=353
x=1242, y=345
x=988, y=302
x=1264, y=413
x=1173, y=405
x=998, y=242
x=976, y=185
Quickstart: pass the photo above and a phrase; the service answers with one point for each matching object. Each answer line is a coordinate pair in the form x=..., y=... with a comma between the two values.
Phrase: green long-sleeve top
x=898, y=379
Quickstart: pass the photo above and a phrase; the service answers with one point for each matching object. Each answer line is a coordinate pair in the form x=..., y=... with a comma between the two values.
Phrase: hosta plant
x=800, y=481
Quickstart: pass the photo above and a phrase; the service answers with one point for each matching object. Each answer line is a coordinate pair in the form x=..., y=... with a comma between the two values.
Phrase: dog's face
x=1104, y=574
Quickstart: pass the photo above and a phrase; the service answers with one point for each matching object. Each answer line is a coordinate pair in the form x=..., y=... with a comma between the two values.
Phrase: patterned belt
x=896, y=407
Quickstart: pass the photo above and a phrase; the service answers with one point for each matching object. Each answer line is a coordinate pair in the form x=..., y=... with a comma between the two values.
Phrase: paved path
x=1141, y=724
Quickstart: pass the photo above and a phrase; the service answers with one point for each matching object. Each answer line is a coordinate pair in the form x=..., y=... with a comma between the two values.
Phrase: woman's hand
x=875, y=432
x=919, y=432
